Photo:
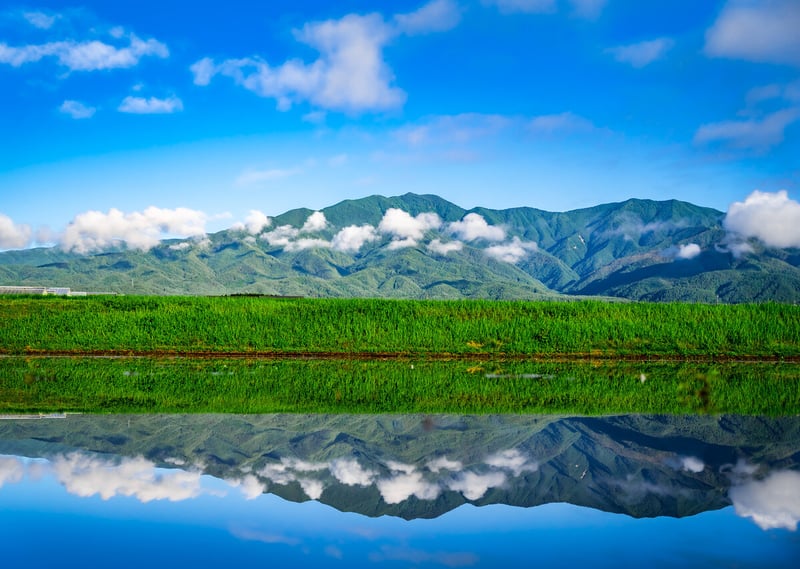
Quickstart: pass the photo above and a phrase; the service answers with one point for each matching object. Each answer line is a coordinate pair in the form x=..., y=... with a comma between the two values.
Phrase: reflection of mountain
x=414, y=466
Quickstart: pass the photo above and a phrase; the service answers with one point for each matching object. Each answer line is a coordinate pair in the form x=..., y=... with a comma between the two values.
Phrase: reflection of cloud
x=512, y=460
x=417, y=556
x=773, y=502
x=348, y=471
x=444, y=463
x=692, y=464
x=473, y=486
x=401, y=487
x=250, y=486
x=11, y=470
x=263, y=537
x=312, y=488
x=87, y=475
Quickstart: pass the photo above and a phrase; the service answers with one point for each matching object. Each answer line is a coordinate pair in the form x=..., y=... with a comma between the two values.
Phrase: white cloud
x=95, y=230
x=764, y=32
x=459, y=129
x=337, y=161
x=76, y=109
x=562, y=122
x=351, y=238
x=759, y=134
x=406, y=231
x=435, y=16
x=688, y=251
x=440, y=248
x=315, y=222
x=350, y=74
x=312, y=488
x=474, y=486
x=524, y=6
x=12, y=470
x=182, y=246
x=512, y=252
x=87, y=475
x=588, y=9
x=85, y=56
x=150, y=106
x=255, y=177
x=512, y=460
x=39, y=20
x=253, y=223
x=772, y=218
x=643, y=53
x=349, y=472
x=250, y=486
x=13, y=235
x=444, y=463
x=474, y=226
x=773, y=502
x=401, y=487
x=307, y=243
x=281, y=236
x=692, y=464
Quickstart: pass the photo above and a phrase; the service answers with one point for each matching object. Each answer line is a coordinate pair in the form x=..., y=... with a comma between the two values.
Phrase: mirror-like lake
x=399, y=490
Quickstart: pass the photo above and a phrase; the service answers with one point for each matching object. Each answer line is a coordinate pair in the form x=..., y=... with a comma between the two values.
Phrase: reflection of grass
x=267, y=386
x=250, y=325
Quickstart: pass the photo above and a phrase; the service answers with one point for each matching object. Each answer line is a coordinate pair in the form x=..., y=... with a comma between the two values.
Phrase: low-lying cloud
x=512, y=252
x=772, y=502
x=13, y=235
x=94, y=230
x=474, y=226
x=772, y=218
x=405, y=230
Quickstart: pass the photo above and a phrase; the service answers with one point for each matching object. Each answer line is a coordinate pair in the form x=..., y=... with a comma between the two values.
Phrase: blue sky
x=554, y=104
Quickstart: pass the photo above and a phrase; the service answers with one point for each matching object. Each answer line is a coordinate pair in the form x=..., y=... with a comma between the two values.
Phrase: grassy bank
x=142, y=385
x=419, y=328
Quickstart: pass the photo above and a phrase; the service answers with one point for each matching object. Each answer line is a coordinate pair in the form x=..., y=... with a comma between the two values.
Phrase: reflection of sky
x=42, y=524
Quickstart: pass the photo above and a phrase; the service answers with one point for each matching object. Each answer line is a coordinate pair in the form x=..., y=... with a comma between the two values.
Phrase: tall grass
x=122, y=385
x=251, y=325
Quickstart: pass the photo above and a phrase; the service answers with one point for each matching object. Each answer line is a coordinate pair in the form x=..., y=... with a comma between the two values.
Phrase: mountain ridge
x=423, y=246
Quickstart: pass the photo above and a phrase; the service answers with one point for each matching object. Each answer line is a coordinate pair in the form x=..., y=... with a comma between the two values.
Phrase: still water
x=399, y=491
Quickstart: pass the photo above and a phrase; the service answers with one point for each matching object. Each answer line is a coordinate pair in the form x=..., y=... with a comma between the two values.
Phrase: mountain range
x=422, y=246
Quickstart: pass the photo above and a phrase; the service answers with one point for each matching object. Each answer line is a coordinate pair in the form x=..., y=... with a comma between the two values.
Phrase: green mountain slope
x=629, y=250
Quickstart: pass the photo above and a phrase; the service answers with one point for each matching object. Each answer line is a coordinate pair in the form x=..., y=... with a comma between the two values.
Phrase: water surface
x=400, y=490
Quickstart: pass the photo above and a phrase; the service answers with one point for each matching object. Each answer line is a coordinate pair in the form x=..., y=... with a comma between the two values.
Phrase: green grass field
x=178, y=385
x=221, y=325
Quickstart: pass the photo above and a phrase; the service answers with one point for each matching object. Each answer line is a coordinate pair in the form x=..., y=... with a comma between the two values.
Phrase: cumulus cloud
x=87, y=475
x=643, y=53
x=444, y=463
x=441, y=248
x=512, y=252
x=85, y=56
x=250, y=486
x=349, y=472
x=755, y=133
x=764, y=32
x=315, y=222
x=281, y=236
x=76, y=109
x=349, y=75
x=401, y=487
x=406, y=231
x=692, y=464
x=351, y=238
x=473, y=486
x=560, y=123
x=514, y=461
x=13, y=235
x=312, y=488
x=307, y=243
x=772, y=502
x=435, y=16
x=150, y=106
x=95, y=230
x=254, y=223
x=773, y=218
x=474, y=226
x=688, y=251
x=12, y=470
